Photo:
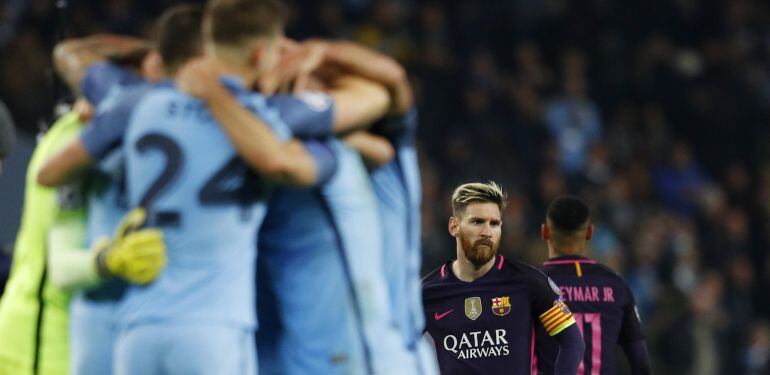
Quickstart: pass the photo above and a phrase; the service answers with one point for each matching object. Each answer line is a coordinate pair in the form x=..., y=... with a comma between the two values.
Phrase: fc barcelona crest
x=473, y=307
x=501, y=306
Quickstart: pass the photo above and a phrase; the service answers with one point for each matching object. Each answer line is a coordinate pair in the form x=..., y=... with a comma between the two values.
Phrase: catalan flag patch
x=557, y=318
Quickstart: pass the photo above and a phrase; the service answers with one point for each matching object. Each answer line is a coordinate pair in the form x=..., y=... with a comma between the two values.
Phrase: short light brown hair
x=178, y=35
x=234, y=22
x=477, y=192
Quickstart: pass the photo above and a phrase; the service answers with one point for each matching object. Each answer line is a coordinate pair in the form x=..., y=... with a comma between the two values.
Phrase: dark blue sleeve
x=638, y=357
x=106, y=130
x=571, y=349
x=325, y=159
x=400, y=130
x=101, y=77
x=631, y=326
x=308, y=115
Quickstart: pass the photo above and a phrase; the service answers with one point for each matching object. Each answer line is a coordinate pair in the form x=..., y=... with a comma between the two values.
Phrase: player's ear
x=589, y=232
x=545, y=233
x=453, y=224
x=255, y=54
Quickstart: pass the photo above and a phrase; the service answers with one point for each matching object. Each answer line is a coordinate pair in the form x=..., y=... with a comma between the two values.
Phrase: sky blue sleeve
x=308, y=115
x=325, y=159
x=106, y=130
x=101, y=77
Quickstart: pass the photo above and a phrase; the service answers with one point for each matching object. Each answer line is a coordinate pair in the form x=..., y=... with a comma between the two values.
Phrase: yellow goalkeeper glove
x=134, y=254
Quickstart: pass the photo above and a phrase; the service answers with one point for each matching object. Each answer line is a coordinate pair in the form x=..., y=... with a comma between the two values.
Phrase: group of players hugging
x=222, y=175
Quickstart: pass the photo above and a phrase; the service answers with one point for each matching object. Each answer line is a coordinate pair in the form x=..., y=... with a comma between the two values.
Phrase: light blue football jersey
x=354, y=207
x=305, y=302
x=306, y=329
x=93, y=323
x=399, y=193
x=182, y=167
x=106, y=183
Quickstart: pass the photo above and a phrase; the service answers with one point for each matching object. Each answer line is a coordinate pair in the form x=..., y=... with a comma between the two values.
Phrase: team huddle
x=224, y=200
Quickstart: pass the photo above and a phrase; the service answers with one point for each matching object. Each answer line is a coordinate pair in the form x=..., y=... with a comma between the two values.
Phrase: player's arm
x=73, y=57
x=286, y=163
x=358, y=103
x=556, y=318
x=638, y=357
x=571, y=350
x=358, y=60
x=132, y=254
x=374, y=149
x=66, y=166
x=70, y=264
x=78, y=155
x=632, y=340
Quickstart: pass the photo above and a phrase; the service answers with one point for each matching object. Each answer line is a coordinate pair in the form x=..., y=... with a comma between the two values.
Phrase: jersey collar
x=448, y=274
x=569, y=259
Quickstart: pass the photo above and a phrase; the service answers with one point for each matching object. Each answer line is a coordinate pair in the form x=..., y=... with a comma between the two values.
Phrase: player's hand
x=134, y=254
x=298, y=63
x=200, y=78
x=84, y=110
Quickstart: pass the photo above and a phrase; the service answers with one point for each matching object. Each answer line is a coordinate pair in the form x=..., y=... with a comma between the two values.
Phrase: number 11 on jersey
x=590, y=325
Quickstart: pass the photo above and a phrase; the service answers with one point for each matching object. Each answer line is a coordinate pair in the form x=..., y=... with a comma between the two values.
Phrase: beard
x=479, y=252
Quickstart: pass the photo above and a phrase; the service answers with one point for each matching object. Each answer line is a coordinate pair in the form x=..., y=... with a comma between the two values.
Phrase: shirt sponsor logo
x=473, y=307
x=501, y=306
x=478, y=344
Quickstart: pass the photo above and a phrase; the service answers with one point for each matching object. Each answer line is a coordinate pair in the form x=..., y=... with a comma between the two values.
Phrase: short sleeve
x=102, y=76
x=400, y=130
x=308, y=115
x=110, y=122
x=324, y=157
x=631, y=328
x=548, y=305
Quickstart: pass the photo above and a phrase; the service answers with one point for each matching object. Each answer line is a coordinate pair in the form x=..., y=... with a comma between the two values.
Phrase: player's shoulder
x=514, y=266
x=532, y=276
x=437, y=275
x=316, y=101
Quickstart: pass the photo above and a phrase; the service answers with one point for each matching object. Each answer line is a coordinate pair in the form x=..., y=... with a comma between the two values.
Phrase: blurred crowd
x=654, y=111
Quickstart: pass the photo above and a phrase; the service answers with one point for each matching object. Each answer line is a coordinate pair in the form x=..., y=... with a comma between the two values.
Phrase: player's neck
x=227, y=67
x=466, y=271
x=553, y=252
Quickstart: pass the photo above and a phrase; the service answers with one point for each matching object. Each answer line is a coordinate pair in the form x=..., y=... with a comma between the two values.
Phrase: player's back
x=300, y=248
x=398, y=190
x=183, y=169
x=354, y=208
x=604, y=310
x=104, y=186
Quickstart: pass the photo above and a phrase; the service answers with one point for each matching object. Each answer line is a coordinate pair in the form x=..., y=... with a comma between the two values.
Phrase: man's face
x=478, y=228
x=268, y=54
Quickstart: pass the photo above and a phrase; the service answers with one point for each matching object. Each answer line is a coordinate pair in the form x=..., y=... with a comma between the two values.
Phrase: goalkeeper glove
x=134, y=254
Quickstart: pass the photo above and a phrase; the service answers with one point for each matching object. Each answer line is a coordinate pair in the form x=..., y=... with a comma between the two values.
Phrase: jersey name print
x=603, y=308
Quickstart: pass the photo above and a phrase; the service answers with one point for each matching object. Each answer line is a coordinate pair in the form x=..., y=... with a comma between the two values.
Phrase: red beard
x=479, y=252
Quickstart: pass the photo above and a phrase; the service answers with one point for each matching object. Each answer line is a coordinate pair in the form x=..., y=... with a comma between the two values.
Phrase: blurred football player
x=33, y=310
x=196, y=178
x=601, y=302
x=319, y=248
x=114, y=89
x=481, y=308
x=391, y=154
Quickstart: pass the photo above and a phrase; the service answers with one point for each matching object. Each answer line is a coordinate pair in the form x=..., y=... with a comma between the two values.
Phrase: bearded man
x=481, y=309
